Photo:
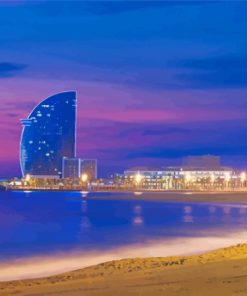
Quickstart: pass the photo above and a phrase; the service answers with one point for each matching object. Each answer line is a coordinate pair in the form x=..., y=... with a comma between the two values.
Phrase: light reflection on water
x=48, y=222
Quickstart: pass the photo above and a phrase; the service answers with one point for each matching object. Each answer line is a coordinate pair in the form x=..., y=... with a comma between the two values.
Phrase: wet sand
x=222, y=272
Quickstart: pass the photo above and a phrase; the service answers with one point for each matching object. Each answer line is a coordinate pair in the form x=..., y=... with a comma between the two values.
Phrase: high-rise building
x=49, y=135
x=89, y=167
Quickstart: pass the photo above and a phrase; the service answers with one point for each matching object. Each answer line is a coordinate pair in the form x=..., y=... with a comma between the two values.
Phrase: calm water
x=37, y=223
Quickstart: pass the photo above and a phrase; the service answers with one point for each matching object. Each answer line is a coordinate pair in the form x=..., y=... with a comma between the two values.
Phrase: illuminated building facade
x=180, y=178
x=76, y=167
x=71, y=168
x=49, y=135
x=89, y=167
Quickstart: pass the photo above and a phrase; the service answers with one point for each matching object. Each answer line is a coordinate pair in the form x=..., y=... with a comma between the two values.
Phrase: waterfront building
x=77, y=167
x=89, y=167
x=180, y=178
x=146, y=178
x=71, y=168
x=49, y=135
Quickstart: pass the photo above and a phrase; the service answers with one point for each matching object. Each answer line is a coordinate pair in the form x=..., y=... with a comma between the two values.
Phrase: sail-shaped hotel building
x=48, y=135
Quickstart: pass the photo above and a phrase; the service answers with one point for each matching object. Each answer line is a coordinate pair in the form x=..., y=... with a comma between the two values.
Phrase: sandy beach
x=221, y=272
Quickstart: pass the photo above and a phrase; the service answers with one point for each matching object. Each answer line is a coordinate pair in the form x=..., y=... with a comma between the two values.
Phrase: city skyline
x=141, y=99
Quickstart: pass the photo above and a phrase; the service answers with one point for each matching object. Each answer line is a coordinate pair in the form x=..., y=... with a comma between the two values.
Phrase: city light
x=187, y=177
x=27, y=178
x=84, y=177
x=138, y=178
x=227, y=176
x=243, y=176
x=212, y=178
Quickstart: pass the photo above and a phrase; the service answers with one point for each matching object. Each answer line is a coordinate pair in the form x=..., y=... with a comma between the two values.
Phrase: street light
x=84, y=177
x=138, y=178
x=243, y=177
x=212, y=178
x=187, y=177
x=227, y=176
x=27, y=178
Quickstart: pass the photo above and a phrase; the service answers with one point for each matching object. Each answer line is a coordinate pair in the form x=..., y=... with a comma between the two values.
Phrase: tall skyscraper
x=49, y=134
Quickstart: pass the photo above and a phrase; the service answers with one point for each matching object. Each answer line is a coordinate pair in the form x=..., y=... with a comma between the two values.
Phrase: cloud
x=12, y=115
x=20, y=105
x=8, y=69
x=213, y=72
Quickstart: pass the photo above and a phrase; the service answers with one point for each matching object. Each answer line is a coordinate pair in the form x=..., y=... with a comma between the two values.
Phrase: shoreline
x=28, y=268
x=221, y=271
x=171, y=196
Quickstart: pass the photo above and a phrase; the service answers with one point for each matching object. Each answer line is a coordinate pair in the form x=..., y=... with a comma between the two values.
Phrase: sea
x=98, y=226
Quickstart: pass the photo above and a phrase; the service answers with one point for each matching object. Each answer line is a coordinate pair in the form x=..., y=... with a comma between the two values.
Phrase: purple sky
x=156, y=80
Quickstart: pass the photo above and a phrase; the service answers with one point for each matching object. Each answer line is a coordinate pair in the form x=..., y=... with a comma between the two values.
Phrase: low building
x=89, y=167
x=71, y=168
x=182, y=178
x=74, y=168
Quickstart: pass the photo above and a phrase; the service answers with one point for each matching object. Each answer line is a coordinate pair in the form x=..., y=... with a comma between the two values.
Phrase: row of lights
x=84, y=178
x=138, y=177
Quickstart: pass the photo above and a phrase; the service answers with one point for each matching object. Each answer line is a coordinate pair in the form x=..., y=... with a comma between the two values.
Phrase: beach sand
x=221, y=272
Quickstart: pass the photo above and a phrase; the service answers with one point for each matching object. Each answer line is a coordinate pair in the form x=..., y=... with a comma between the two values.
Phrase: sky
x=156, y=81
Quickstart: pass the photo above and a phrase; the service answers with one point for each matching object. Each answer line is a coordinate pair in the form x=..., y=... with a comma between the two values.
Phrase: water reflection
x=85, y=221
x=212, y=209
x=187, y=209
x=138, y=218
x=227, y=210
x=138, y=193
x=188, y=218
x=27, y=193
x=84, y=194
x=137, y=209
x=84, y=206
x=242, y=210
